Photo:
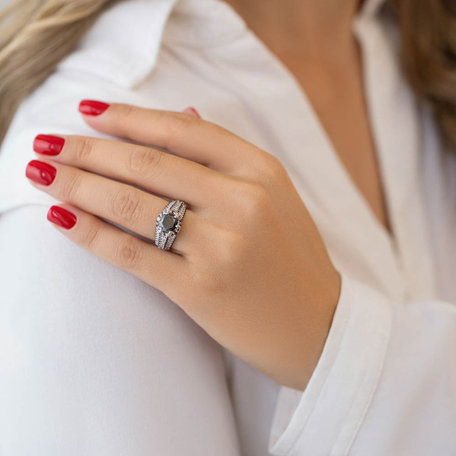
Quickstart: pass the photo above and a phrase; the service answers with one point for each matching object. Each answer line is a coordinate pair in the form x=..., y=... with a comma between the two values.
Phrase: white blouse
x=95, y=362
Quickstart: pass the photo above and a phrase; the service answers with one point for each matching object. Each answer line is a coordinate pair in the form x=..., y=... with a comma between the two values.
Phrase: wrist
x=320, y=310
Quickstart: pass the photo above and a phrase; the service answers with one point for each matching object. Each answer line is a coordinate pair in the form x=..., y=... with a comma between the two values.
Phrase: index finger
x=188, y=136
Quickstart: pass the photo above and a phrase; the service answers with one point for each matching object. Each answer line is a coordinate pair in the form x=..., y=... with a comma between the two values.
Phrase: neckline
x=365, y=15
x=358, y=223
x=216, y=32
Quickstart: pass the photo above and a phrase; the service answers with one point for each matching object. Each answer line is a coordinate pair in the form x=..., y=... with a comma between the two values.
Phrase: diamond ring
x=168, y=224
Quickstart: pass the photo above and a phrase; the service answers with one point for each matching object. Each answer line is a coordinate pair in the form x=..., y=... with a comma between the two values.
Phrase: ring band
x=169, y=223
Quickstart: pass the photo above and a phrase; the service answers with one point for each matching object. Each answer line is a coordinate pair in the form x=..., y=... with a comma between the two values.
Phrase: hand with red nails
x=248, y=265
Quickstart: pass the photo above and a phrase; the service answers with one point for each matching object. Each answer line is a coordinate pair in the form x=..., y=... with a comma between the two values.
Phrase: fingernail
x=61, y=217
x=40, y=172
x=192, y=110
x=48, y=144
x=92, y=107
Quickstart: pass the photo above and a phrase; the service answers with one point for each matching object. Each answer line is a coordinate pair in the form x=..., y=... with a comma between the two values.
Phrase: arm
x=341, y=388
x=95, y=362
x=384, y=384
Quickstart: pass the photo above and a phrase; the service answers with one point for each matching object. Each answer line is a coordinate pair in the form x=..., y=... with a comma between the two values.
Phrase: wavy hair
x=36, y=34
x=428, y=57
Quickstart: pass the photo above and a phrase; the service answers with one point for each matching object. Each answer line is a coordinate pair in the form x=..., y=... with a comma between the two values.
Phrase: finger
x=149, y=168
x=179, y=133
x=192, y=111
x=145, y=261
x=120, y=203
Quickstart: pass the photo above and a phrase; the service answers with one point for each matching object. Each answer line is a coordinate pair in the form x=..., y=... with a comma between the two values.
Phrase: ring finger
x=125, y=251
x=118, y=202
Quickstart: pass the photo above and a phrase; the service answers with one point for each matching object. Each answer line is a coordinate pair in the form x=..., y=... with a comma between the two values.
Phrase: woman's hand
x=248, y=264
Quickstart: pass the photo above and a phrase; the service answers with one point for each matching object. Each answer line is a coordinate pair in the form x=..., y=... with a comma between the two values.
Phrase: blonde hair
x=36, y=34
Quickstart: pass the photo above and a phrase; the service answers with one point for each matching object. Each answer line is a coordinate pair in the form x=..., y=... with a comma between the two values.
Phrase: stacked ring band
x=168, y=224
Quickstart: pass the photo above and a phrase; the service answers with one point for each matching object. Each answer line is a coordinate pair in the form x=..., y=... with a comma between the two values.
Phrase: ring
x=169, y=223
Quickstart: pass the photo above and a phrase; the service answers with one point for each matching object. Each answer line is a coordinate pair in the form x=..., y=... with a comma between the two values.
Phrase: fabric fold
x=324, y=419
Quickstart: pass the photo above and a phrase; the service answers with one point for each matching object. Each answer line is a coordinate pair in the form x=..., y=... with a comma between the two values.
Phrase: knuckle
x=83, y=149
x=270, y=167
x=126, y=205
x=143, y=161
x=232, y=250
x=255, y=200
x=178, y=125
x=122, y=116
x=70, y=187
x=229, y=252
x=90, y=238
x=207, y=280
x=128, y=254
x=123, y=111
x=181, y=119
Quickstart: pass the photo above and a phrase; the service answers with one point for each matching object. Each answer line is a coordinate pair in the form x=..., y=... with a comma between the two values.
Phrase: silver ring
x=169, y=223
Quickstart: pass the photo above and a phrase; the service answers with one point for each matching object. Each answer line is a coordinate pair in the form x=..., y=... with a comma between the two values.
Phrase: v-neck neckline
x=366, y=13
x=236, y=54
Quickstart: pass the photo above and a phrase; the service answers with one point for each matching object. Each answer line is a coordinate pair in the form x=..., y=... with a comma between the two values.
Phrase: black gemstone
x=168, y=222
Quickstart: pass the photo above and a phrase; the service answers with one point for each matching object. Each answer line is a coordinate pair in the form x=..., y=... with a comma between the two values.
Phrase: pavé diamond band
x=168, y=224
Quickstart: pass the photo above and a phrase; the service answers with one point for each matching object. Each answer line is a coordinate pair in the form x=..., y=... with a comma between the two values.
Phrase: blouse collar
x=212, y=23
x=124, y=43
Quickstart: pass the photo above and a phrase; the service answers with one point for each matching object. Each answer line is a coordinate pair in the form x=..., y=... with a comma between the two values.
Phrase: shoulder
x=106, y=338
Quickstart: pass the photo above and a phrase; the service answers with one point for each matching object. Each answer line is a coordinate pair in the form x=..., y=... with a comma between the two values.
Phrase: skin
x=271, y=307
x=313, y=38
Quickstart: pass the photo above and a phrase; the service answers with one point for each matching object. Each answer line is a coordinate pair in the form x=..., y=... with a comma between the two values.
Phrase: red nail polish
x=193, y=111
x=92, y=107
x=48, y=144
x=40, y=172
x=61, y=217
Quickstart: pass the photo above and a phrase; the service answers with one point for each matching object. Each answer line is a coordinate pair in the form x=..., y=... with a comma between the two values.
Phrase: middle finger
x=118, y=202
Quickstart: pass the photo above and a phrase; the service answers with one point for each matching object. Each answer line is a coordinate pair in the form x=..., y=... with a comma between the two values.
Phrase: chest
x=337, y=96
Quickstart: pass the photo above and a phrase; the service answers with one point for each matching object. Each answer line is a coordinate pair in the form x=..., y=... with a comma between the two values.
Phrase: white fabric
x=95, y=362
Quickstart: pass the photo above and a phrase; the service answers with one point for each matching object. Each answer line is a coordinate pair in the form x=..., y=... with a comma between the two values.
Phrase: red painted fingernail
x=40, y=172
x=92, y=107
x=192, y=110
x=48, y=144
x=61, y=217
